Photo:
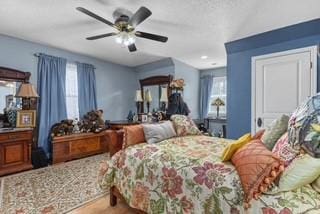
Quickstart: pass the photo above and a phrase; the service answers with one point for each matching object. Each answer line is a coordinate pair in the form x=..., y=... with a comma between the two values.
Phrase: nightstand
x=221, y=121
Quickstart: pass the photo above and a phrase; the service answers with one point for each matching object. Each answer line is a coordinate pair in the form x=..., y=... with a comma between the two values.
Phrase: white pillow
x=303, y=170
x=155, y=133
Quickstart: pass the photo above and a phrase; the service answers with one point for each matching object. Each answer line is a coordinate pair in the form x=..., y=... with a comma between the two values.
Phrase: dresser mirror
x=10, y=81
x=155, y=91
x=8, y=89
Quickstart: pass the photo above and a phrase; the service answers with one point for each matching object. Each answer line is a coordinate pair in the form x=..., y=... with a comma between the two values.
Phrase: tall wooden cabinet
x=15, y=150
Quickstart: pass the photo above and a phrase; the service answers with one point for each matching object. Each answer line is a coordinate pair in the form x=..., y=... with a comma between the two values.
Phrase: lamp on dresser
x=148, y=99
x=139, y=101
x=164, y=98
x=29, y=95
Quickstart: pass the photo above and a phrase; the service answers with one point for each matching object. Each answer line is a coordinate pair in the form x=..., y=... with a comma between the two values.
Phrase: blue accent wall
x=116, y=84
x=239, y=54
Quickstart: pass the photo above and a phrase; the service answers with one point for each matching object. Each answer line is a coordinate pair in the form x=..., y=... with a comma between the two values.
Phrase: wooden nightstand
x=222, y=121
x=15, y=150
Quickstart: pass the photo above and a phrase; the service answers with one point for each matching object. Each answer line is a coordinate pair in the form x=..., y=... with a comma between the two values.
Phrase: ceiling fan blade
x=151, y=36
x=142, y=14
x=95, y=16
x=132, y=48
x=101, y=36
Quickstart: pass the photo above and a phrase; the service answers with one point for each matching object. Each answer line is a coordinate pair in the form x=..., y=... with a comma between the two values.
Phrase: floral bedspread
x=186, y=175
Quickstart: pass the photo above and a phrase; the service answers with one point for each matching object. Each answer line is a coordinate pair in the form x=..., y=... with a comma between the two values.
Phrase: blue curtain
x=86, y=88
x=205, y=93
x=52, y=103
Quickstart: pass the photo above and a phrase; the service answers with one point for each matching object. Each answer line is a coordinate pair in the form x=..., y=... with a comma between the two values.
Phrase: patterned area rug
x=55, y=189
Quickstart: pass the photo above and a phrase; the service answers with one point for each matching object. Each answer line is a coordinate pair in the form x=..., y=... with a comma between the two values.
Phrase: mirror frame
x=14, y=75
x=10, y=74
x=155, y=80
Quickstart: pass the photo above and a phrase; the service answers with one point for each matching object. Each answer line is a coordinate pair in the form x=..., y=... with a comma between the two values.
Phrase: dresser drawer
x=15, y=151
x=85, y=146
x=75, y=146
x=16, y=136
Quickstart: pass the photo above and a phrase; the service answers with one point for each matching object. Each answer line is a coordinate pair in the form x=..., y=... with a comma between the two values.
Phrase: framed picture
x=9, y=100
x=26, y=118
x=143, y=118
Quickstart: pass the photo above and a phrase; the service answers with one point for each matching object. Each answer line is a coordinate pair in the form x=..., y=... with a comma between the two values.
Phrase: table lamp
x=138, y=100
x=148, y=99
x=164, y=98
x=26, y=91
x=218, y=102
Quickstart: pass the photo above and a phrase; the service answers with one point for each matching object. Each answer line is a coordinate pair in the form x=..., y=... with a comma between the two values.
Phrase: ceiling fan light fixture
x=120, y=38
x=131, y=38
x=125, y=25
x=125, y=38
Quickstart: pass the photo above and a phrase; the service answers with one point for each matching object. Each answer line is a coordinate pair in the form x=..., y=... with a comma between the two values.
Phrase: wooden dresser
x=75, y=146
x=15, y=150
x=119, y=124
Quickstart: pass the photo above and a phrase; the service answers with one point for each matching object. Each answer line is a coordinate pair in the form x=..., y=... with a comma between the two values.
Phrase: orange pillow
x=258, y=135
x=133, y=135
x=257, y=168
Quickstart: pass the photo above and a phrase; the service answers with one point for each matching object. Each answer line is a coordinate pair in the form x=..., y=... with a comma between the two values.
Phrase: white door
x=280, y=82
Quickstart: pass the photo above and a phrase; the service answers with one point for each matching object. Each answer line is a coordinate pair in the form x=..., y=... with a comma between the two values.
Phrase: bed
x=186, y=175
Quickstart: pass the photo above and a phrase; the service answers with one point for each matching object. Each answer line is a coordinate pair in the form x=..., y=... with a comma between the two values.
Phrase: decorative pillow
x=233, y=147
x=133, y=135
x=301, y=119
x=155, y=133
x=311, y=143
x=184, y=125
x=258, y=135
x=274, y=131
x=283, y=150
x=316, y=185
x=257, y=167
x=303, y=170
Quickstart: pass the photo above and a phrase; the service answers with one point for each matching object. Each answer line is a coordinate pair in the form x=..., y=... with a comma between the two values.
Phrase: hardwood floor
x=101, y=206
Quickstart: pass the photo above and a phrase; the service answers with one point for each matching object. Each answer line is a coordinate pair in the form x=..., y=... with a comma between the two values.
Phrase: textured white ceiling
x=194, y=27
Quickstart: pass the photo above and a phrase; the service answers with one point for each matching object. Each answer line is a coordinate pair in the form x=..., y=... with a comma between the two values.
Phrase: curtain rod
x=38, y=55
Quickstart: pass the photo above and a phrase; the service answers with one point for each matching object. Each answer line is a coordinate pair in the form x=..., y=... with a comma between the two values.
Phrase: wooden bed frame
x=115, y=141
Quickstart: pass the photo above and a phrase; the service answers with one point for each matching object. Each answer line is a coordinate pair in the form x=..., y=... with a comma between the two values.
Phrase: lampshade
x=218, y=102
x=138, y=96
x=27, y=90
x=164, y=95
x=148, y=96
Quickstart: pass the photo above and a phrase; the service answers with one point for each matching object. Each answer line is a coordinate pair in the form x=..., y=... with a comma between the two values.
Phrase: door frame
x=314, y=56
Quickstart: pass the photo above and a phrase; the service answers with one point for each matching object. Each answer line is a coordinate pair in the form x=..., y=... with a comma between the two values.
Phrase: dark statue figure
x=176, y=105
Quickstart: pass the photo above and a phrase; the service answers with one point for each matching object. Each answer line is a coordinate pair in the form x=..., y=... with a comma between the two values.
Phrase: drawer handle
x=13, y=136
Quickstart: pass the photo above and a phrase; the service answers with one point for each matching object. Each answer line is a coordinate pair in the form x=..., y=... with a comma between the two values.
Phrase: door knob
x=259, y=122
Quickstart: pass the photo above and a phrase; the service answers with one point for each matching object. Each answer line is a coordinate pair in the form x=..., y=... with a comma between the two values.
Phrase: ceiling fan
x=125, y=26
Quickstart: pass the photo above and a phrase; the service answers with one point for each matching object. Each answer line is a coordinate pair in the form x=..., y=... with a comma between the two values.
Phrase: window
x=72, y=91
x=219, y=89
